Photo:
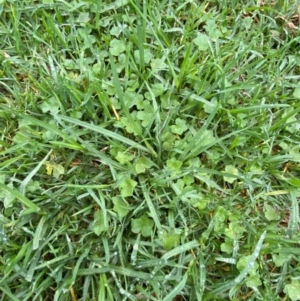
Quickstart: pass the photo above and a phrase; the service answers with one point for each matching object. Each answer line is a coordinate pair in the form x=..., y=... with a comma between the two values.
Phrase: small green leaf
x=100, y=222
x=124, y=157
x=170, y=241
x=76, y=114
x=132, y=98
x=247, y=22
x=97, y=68
x=115, y=31
x=51, y=105
x=227, y=246
x=296, y=93
x=69, y=64
x=230, y=169
x=58, y=170
x=202, y=41
x=89, y=40
x=127, y=187
x=293, y=290
x=158, y=89
x=49, y=135
x=120, y=206
x=188, y=179
x=33, y=186
x=133, y=84
x=212, y=29
x=147, y=56
x=83, y=18
x=142, y=164
x=294, y=182
x=142, y=103
x=253, y=281
x=174, y=164
x=234, y=230
x=207, y=137
x=200, y=205
x=130, y=128
x=158, y=64
x=142, y=225
x=281, y=259
x=21, y=135
x=221, y=214
x=117, y=47
x=180, y=126
x=209, y=107
x=145, y=117
x=270, y=213
x=7, y=196
x=242, y=263
x=180, y=184
x=284, y=145
x=168, y=140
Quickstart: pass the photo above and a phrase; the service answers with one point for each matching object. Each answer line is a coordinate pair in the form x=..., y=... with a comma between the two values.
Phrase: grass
x=149, y=150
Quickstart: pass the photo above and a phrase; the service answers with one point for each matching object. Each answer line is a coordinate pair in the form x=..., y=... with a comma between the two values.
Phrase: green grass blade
x=230, y=284
x=104, y=132
x=32, y=173
x=150, y=205
x=180, y=249
x=24, y=200
x=177, y=289
x=117, y=84
x=294, y=217
x=8, y=292
x=283, y=120
x=38, y=233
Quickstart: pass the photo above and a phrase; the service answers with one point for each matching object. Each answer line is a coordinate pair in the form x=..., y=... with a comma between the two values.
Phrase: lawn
x=149, y=150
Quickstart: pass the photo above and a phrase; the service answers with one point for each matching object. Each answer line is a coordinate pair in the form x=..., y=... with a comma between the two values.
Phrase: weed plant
x=149, y=150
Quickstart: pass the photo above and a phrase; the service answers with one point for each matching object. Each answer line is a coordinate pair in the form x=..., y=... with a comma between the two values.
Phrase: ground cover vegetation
x=149, y=150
